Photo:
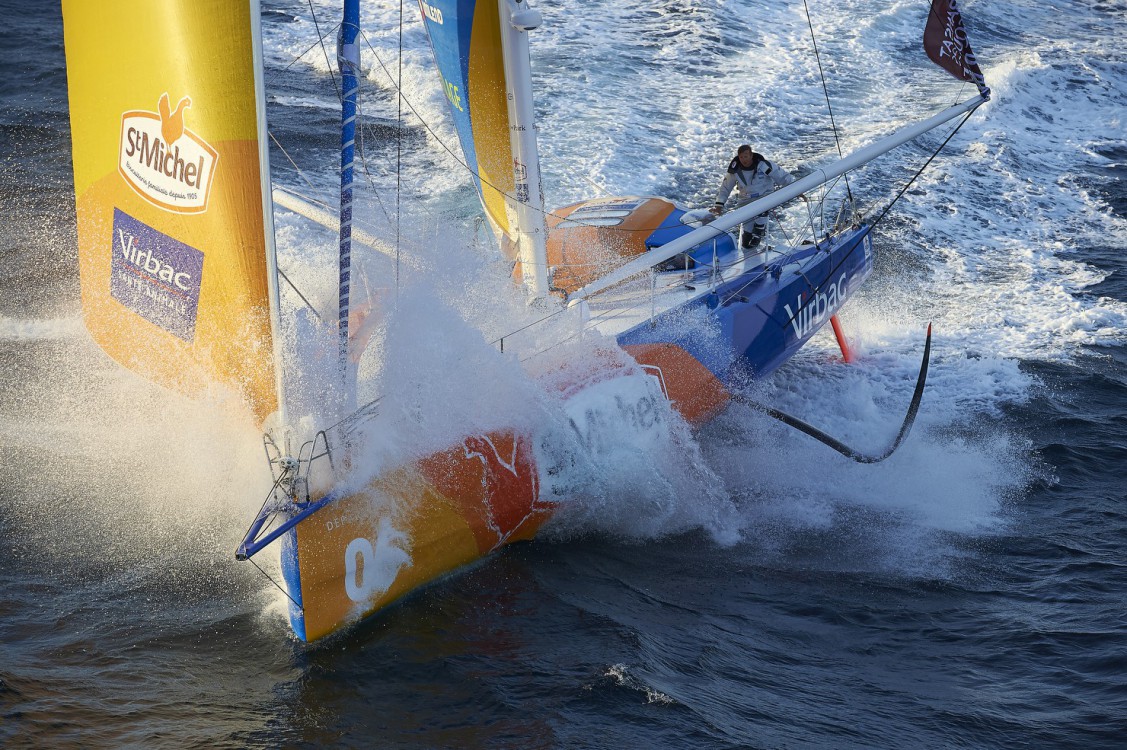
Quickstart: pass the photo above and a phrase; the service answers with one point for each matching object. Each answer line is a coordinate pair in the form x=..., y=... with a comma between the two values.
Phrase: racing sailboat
x=180, y=281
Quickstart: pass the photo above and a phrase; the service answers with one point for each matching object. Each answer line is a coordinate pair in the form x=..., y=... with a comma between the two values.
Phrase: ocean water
x=760, y=591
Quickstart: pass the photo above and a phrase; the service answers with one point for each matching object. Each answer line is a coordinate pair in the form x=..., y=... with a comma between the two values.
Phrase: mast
x=527, y=203
x=348, y=58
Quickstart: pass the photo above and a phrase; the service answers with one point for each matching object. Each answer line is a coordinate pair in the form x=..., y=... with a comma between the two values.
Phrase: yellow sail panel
x=489, y=112
x=171, y=244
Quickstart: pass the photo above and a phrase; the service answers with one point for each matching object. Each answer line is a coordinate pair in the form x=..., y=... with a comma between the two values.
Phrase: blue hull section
x=757, y=321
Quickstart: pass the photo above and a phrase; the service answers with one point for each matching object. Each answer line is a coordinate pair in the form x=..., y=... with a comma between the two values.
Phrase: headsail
x=945, y=41
x=466, y=40
x=480, y=50
x=174, y=256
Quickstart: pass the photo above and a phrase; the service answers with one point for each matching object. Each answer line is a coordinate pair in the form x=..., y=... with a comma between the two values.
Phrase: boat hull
x=362, y=551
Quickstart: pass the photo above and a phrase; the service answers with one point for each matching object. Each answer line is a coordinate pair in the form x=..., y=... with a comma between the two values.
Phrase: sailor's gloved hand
x=717, y=209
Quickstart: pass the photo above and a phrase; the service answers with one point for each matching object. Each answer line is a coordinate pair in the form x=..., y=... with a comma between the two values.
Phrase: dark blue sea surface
x=970, y=593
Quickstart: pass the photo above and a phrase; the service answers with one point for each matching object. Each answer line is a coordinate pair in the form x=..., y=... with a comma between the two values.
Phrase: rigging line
x=263, y=572
x=368, y=173
x=320, y=203
x=882, y=215
x=596, y=319
x=299, y=170
x=589, y=326
x=320, y=40
x=813, y=217
x=959, y=96
x=810, y=222
x=316, y=201
x=332, y=75
x=826, y=91
x=549, y=316
x=355, y=415
x=786, y=259
x=767, y=266
x=558, y=343
x=308, y=199
x=361, y=412
x=301, y=173
x=596, y=185
x=299, y=294
x=363, y=157
x=270, y=494
x=921, y=169
x=279, y=269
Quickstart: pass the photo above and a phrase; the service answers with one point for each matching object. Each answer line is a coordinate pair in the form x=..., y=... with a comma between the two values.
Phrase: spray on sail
x=172, y=243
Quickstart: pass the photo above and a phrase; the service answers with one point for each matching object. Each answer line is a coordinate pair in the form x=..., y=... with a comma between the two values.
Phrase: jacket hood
x=735, y=166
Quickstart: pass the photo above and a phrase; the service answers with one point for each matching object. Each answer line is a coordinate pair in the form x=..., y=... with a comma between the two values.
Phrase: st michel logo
x=167, y=164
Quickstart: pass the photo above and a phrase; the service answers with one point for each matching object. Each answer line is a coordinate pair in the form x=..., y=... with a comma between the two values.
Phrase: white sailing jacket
x=761, y=178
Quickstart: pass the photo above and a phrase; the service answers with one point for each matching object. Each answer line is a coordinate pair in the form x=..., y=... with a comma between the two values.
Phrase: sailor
x=755, y=177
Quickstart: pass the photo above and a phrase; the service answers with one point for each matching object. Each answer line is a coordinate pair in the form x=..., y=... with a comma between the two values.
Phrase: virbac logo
x=164, y=162
x=156, y=276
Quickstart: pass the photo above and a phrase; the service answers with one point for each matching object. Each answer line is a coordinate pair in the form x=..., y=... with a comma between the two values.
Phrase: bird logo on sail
x=164, y=162
x=172, y=123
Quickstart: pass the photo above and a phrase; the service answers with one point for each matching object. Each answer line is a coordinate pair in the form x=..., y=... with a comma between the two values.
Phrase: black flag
x=945, y=41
